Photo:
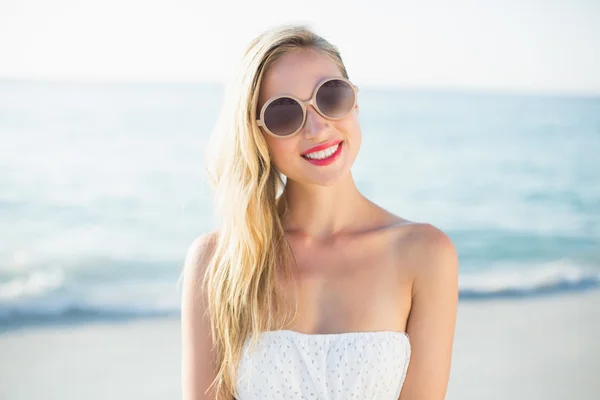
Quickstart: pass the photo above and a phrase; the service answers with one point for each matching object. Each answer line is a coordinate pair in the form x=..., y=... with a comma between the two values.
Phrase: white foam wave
x=33, y=284
x=554, y=276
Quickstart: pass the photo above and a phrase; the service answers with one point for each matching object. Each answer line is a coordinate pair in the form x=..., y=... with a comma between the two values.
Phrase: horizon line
x=454, y=89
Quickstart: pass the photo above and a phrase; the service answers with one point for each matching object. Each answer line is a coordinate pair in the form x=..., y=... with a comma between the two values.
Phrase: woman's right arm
x=198, y=368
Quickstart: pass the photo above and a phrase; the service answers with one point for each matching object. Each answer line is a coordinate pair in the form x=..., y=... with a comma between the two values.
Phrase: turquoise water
x=102, y=190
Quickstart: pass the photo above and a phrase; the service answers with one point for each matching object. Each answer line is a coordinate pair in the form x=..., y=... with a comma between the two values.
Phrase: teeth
x=319, y=155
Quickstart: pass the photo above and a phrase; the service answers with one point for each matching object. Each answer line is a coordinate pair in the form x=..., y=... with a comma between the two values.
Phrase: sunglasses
x=284, y=116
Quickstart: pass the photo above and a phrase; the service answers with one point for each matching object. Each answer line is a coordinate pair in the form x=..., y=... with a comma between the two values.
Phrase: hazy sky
x=498, y=44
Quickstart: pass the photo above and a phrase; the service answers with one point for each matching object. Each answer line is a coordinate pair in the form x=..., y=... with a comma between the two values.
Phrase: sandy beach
x=538, y=348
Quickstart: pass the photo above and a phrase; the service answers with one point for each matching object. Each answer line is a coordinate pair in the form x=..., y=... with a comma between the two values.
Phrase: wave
x=50, y=297
x=510, y=282
x=47, y=296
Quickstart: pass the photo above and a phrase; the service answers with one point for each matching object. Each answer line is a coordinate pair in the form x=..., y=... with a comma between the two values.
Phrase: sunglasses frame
x=303, y=104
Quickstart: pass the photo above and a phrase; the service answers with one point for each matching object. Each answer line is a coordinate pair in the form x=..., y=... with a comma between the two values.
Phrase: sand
x=538, y=348
x=544, y=348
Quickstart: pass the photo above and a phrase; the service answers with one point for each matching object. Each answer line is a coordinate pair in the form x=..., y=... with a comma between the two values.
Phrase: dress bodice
x=354, y=365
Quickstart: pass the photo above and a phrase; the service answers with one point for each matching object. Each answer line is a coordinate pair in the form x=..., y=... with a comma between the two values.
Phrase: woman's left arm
x=432, y=318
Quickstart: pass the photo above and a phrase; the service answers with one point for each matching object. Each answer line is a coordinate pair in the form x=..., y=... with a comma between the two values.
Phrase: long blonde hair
x=240, y=279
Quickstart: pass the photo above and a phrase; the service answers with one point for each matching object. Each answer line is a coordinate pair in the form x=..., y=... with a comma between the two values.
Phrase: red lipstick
x=321, y=147
x=328, y=160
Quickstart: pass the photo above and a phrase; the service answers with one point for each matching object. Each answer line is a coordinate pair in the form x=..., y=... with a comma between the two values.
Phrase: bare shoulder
x=201, y=248
x=424, y=244
x=427, y=249
x=198, y=255
x=197, y=258
x=428, y=238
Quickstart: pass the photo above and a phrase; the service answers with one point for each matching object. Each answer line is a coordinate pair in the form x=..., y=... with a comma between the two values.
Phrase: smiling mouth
x=326, y=156
x=323, y=154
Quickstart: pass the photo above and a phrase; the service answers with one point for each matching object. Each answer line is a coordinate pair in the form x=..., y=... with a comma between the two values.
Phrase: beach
x=538, y=348
x=535, y=348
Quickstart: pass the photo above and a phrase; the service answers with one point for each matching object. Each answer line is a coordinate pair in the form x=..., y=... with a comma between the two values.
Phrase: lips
x=321, y=147
x=328, y=160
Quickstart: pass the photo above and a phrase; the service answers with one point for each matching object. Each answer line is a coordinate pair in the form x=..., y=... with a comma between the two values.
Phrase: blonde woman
x=308, y=290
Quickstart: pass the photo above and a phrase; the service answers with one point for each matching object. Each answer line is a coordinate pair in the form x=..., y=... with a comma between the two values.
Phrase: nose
x=315, y=126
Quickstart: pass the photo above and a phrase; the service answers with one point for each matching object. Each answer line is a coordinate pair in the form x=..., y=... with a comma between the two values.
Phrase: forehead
x=297, y=73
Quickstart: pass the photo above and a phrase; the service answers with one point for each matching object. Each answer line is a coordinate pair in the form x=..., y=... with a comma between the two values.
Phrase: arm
x=432, y=318
x=197, y=367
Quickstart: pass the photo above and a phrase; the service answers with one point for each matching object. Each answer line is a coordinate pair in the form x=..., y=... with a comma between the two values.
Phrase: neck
x=321, y=212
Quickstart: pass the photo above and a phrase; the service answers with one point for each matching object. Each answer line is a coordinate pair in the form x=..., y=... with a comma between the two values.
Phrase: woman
x=308, y=289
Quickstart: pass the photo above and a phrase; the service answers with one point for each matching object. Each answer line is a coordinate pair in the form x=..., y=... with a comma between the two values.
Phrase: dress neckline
x=329, y=335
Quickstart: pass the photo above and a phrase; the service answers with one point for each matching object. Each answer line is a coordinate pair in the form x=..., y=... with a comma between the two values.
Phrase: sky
x=506, y=45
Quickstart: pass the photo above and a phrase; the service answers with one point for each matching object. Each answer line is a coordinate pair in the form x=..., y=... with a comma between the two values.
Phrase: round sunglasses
x=285, y=115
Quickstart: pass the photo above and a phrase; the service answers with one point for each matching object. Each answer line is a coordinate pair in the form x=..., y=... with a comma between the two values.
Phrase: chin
x=329, y=178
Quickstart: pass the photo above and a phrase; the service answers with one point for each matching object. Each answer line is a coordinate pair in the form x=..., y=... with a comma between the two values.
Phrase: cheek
x=281, y=150
x=353, y=135
x=352, y=129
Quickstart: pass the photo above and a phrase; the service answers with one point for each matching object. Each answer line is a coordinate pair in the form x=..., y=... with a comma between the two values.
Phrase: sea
x=102, y=190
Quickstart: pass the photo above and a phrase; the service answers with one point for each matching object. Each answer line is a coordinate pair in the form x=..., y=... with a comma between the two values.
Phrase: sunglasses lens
x=335, y=98
x=283, y=116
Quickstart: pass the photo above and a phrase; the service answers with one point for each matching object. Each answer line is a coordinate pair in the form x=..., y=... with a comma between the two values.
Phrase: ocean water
x=102, y=190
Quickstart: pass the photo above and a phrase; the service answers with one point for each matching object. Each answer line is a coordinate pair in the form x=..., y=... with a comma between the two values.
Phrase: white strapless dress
x=340, y=366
